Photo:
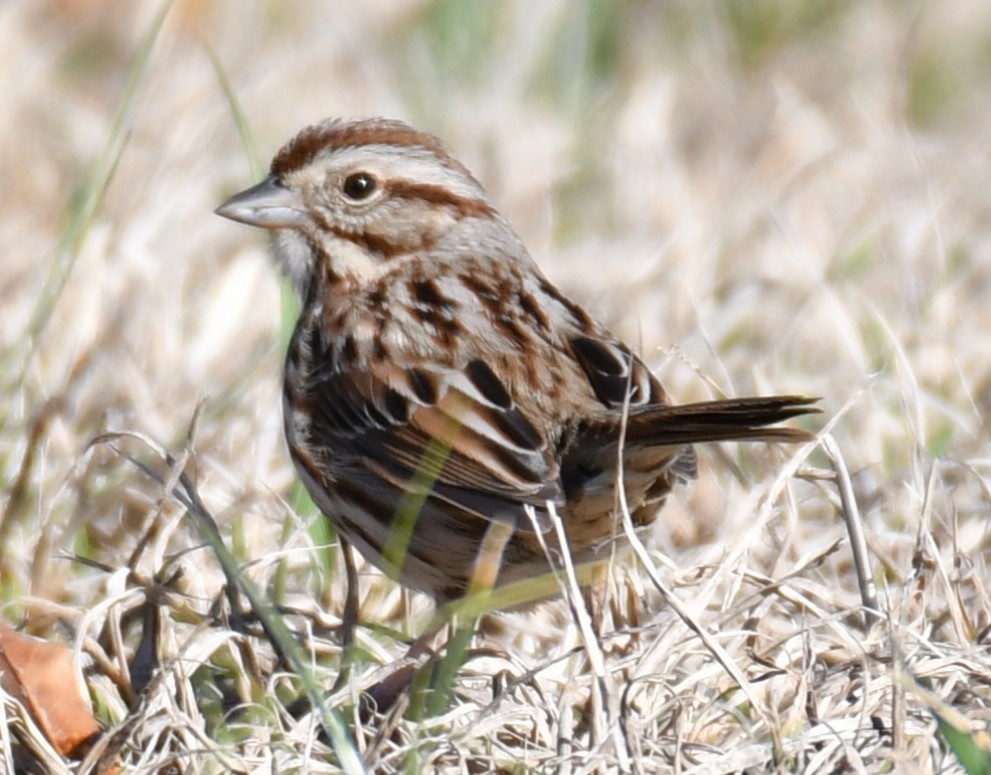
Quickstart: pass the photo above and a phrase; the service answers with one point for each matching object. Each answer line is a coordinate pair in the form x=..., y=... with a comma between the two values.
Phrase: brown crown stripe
x=332, y=135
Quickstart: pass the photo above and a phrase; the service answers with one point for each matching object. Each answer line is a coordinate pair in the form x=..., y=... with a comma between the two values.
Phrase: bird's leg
x=469, y=609
x=349, y=618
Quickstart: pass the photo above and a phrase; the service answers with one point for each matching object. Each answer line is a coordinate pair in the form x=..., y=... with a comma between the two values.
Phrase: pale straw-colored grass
x=762, y=196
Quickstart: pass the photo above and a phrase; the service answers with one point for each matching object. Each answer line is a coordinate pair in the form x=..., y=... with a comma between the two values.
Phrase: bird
x=439, y=389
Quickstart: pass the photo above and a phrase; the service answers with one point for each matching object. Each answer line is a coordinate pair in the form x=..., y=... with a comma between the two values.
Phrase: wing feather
x=452, y=434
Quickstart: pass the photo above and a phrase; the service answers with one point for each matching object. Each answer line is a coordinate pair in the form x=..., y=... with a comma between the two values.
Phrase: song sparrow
x=438, y=383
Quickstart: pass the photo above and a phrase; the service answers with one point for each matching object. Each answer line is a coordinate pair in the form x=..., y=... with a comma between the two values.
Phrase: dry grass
x=767, y=196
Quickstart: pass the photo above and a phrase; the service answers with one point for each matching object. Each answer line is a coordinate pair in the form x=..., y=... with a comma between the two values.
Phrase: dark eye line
x=359, y=186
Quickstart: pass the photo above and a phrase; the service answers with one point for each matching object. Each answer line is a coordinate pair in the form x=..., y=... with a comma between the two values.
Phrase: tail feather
x=734, y=419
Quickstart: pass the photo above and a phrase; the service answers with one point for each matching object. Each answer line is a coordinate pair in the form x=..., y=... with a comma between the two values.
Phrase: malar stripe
x=376, y=244
x=370, y=243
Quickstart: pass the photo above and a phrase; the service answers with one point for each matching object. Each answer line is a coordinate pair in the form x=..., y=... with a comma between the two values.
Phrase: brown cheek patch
x=375, y=244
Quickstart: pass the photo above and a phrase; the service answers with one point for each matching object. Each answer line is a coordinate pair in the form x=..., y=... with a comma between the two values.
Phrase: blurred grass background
x=762, y=196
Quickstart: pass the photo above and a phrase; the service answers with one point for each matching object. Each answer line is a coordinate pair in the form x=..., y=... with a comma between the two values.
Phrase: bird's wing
x=449, y=434
x=621, y=380
x=617, y=376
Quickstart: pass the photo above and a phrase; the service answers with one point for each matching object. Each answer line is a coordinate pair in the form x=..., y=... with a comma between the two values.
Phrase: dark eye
x=359, y=185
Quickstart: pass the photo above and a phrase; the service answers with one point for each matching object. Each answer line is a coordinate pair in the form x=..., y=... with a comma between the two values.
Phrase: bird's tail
x=734, y=419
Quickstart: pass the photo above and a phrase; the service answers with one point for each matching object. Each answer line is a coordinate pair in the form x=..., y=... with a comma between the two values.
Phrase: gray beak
x=267, y=204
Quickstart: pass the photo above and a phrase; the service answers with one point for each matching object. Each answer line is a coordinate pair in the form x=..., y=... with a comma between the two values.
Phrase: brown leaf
x=43, y=678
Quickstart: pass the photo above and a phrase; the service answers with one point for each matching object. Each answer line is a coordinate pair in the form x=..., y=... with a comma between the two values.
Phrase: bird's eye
x=359, y=186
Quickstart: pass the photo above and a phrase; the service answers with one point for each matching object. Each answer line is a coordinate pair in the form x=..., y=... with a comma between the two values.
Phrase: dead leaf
x=42, y=677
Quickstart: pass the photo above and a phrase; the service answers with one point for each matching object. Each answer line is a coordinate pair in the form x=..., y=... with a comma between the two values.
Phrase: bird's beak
x=268, y=204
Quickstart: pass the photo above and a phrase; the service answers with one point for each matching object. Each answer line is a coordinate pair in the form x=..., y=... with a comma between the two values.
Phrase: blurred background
x=760, y=195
